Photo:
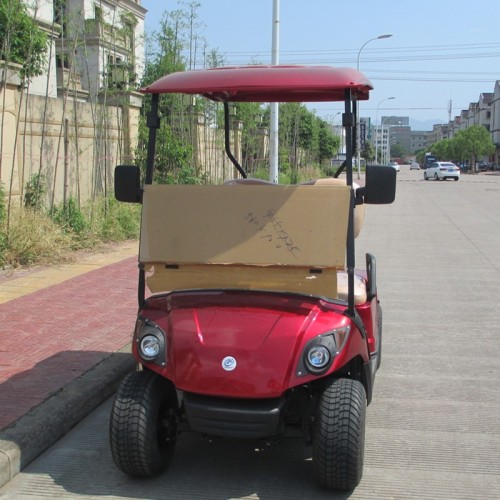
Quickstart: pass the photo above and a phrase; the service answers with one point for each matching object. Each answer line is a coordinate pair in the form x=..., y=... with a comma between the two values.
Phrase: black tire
x=143, y=424
x=379, y=327
x=425, y=176
x=339, y=435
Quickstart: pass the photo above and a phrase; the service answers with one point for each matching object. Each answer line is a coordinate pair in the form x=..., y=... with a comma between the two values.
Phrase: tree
x=252, y=116
x=368, y=153
x=473, y=142
x=445, y=149
x=304, y=139
x=328, y=143
x=22, y=41
x=398, y=151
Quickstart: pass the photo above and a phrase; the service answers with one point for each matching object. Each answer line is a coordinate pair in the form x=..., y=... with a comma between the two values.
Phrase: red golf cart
x=253, y=321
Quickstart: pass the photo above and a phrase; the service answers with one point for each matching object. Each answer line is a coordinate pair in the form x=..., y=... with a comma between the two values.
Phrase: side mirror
x=128, y=184
x=380, y=185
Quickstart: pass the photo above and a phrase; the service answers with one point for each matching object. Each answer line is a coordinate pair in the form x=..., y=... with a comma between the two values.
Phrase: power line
x=425, y=48
x=384, y=55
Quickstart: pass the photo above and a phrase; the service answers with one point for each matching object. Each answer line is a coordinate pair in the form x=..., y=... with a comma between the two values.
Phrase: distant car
x=483, y=166
x=394, y=164
x=442, y=170
x=414, y=166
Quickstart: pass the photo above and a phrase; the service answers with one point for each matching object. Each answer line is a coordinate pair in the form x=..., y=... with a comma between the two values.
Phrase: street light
x=380, y=37
x=358, y=128
x=376, y=120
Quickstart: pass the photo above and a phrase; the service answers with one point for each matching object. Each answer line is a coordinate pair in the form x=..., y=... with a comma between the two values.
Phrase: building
x=419, y=140
x=80, y=118
x=495, y=120
x=381, y=142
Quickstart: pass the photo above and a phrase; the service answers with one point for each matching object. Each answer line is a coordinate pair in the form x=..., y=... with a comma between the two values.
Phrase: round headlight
x=149, y=347
x=318, y=356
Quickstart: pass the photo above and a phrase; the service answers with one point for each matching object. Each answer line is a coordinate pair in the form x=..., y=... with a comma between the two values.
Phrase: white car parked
x=442, y=170
x=394, y=165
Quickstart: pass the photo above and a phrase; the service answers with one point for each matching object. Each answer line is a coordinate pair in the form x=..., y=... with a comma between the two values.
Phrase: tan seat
x=360, y=296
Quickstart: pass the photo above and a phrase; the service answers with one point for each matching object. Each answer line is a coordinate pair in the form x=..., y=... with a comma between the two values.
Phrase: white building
x=92, y=43
x=381, y=143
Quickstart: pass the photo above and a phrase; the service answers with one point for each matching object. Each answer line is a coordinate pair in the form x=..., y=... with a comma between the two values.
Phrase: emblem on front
x=229, y=363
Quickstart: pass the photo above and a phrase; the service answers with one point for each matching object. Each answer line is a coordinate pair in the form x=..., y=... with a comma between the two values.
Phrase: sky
x=441, y=54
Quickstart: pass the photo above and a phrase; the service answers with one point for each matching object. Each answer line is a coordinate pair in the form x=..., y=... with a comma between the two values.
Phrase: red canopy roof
x=267, y=83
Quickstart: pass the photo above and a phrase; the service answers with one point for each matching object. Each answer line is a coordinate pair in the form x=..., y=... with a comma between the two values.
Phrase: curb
x=44, y=425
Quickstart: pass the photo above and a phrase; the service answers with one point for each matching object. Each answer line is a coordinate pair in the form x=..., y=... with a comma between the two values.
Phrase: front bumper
x=236, y=418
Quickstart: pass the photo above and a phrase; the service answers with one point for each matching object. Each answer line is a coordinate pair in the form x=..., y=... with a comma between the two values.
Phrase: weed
x=69, y=217
x=35, y=191
x=110, y=220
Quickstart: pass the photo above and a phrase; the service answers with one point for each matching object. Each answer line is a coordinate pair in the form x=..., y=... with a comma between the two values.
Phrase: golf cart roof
x=267, y=84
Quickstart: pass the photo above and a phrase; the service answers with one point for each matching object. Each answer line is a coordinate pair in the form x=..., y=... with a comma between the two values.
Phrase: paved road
x=433, y=428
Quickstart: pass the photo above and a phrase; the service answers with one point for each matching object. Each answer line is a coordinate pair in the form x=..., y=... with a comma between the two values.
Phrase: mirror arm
x=359, y=197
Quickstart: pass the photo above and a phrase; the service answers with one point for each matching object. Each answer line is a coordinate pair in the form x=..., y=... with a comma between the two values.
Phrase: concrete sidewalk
x=64, y=347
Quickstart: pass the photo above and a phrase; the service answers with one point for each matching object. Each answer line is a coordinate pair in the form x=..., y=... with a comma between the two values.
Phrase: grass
x=36, y=237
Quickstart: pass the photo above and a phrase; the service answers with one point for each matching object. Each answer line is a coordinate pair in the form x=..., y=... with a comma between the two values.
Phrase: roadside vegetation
x=36, y=235
x=465, y=146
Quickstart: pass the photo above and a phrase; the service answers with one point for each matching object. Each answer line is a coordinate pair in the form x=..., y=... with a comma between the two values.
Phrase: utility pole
x=274, y=143
x=450, y=108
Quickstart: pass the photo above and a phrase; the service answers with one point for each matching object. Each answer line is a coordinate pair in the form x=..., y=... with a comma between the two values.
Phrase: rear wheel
x=339, y=435
x=143, y=425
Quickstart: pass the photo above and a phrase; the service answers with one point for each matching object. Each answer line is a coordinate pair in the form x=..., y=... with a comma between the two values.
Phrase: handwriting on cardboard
x=272, y=230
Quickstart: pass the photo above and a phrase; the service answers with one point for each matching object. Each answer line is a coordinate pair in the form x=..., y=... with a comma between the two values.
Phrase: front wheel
x=143, y=424
x=339, y=435
x=425, y=176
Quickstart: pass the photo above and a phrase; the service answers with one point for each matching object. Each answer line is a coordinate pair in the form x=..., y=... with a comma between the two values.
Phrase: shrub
x=69, y=217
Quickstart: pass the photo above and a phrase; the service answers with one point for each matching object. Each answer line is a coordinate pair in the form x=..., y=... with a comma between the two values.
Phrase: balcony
x=113, y=36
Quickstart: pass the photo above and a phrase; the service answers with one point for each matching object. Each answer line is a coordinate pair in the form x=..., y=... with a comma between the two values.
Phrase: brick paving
x=51, y=336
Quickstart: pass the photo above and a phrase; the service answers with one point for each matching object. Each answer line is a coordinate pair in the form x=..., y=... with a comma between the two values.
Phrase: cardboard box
x=250, y=225
x=254, y=237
